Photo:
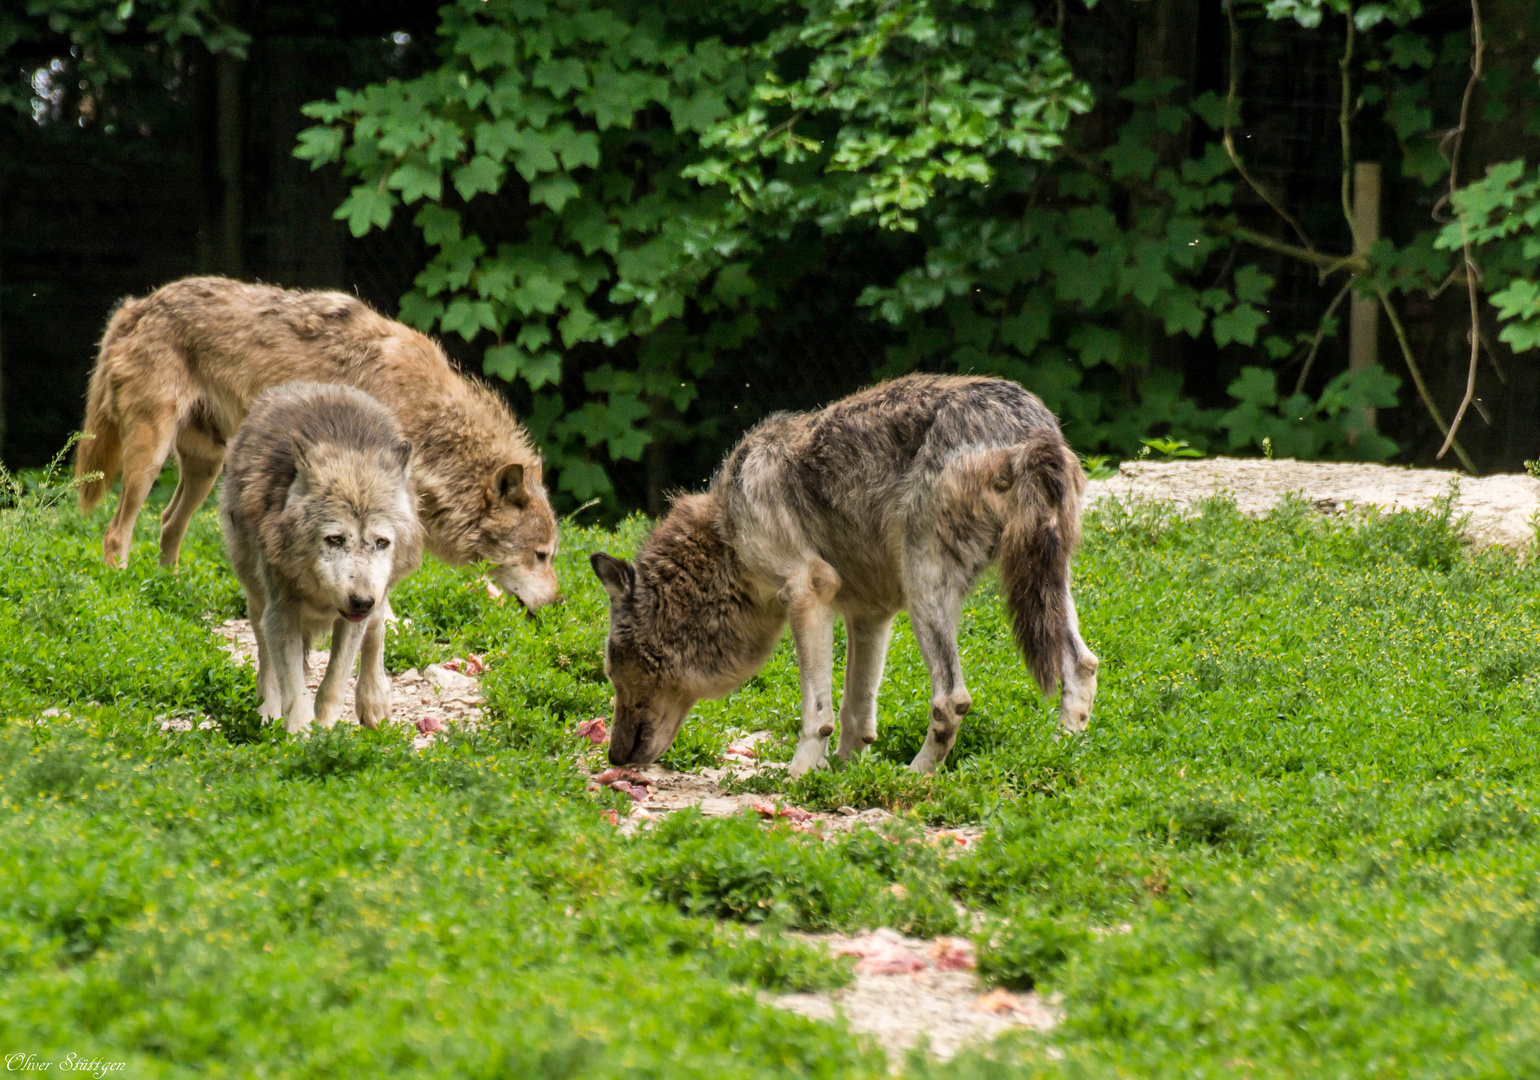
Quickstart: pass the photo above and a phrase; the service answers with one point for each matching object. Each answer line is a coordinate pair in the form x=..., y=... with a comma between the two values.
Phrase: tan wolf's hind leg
x=866, y=649
x=934, y=617
x=199, y=460
x=145, y=447
x=807, y=596
x=1077, y=670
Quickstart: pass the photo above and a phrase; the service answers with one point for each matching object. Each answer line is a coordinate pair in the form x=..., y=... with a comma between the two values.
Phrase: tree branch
x=1320, y=335
x=1229, y=135
x=1477, y=48
x=1422, y=387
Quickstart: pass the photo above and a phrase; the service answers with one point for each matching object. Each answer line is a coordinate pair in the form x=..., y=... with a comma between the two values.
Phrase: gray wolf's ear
x=304, y=469
x=508, y=485
x=402, y=452
x=618, y=576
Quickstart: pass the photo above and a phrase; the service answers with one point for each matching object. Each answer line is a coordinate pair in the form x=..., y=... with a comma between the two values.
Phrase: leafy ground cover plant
x=1299, y=838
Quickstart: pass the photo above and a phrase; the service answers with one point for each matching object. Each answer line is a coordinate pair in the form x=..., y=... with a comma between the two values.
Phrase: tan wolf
x=897, y=497
x=320, y=522
x=178, y=370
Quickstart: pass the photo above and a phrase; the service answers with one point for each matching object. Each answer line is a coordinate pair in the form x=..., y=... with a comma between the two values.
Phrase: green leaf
x=481, y=173
x=1255, y=386
x=419, y=311
x=417, y=180
x=468, y=317
x=367, y=206
x=319, y=145
x=1252, y=285
x=1240, y=324
x=554, y=191
x=560, y=77
x=439, y=224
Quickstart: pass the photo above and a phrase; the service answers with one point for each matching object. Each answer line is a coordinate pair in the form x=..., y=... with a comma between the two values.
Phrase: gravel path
x=1501, y=508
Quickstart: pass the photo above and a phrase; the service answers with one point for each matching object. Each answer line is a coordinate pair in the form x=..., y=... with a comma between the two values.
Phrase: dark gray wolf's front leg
x=807, y=596
x=866, y=639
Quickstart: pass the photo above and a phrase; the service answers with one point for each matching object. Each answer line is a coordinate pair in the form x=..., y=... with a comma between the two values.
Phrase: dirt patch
x=429, y=698
x=1501, y=508
x=904, y=991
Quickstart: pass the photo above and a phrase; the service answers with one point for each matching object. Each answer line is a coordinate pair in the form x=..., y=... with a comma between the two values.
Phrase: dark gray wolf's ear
x=618, y=576
x=508, y=485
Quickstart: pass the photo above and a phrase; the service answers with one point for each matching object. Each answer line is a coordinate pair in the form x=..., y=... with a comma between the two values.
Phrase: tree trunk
x=232, y=213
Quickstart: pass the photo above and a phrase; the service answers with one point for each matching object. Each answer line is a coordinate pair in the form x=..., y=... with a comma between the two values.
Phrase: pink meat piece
x=593, y=730
x=471, y=665
x=739, y=751
x=609, y=776
x=636, y=791
x=762, y=808
x=428, y=724
x=952, y=954
x=881, y=953
x=611, y=816
x=793, y=813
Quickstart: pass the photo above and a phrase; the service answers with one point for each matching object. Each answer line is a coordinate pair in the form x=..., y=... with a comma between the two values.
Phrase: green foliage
x=616, y=199
x=1500, y=216
x=1298, y=831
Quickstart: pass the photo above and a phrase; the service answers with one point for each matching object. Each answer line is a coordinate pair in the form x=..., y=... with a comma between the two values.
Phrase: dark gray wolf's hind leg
x=933, y=613
x=1077, y=669
x=867, y=638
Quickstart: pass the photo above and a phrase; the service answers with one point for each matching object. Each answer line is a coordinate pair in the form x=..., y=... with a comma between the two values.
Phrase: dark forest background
x=181, y=160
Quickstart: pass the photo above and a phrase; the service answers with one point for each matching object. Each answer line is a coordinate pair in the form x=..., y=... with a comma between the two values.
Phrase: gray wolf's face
x=652, y=699
x=518, y=537
x=349, y=513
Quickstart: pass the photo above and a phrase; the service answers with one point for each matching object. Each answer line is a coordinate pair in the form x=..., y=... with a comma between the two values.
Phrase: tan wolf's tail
x=100, y=449
x=1042, y=529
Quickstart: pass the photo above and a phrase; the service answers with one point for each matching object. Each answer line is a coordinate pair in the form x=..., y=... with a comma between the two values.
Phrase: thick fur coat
x=179, y=369
x=895, y=498
x=320, y=522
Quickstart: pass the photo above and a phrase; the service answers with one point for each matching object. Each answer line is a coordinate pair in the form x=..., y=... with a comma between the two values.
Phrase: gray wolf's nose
x=360, y=605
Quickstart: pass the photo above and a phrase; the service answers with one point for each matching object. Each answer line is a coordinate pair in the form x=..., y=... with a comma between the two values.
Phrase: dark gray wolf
x=179, y=369
x=320, y=523
x=895, y=498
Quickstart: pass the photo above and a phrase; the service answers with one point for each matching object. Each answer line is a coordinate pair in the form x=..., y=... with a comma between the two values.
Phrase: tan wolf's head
x=517, y=535
x=349, y=528
x=653, y=690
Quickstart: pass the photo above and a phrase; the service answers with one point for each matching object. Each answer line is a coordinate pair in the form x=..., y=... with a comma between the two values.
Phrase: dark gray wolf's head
x=654, y=690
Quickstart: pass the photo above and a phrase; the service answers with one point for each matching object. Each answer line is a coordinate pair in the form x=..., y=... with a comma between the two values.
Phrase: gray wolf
x=179, y=369
x=897, y=497
x=320, y=522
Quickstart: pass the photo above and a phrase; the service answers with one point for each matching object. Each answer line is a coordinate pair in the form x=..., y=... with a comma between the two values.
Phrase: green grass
x=1301, y=838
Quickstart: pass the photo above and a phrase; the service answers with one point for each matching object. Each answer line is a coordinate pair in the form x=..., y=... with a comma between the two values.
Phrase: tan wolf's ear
x=617, y=575
x=402, y=452
x=508, y=485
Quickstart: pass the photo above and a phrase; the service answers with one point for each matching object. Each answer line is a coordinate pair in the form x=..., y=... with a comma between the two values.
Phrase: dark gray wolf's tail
x=1041, y=531
x=100, y=449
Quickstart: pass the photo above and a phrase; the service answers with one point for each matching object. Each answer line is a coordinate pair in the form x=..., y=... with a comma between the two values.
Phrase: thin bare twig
x=1422, y=387
x=1320, y=335
x=1345, y=122
x=1229, y=134
x=1477, y=48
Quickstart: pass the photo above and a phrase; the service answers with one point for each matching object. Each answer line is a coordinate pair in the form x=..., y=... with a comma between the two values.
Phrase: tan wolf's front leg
x=807, y=596
x=1077, y=672
x=346, y=637
x=371, y=695
x=867, y=640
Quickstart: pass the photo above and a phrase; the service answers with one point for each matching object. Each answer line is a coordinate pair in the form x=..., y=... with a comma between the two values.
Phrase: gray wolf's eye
x=382, y=543
x=336, y=541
